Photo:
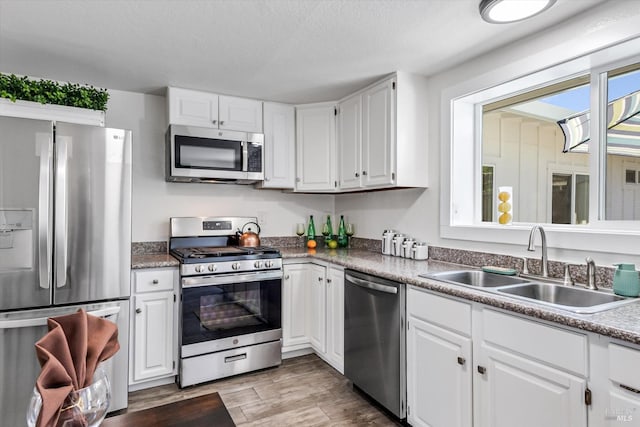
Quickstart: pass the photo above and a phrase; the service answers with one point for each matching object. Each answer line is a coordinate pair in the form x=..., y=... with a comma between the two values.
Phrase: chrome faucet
x=591, y=274
x=543, y=238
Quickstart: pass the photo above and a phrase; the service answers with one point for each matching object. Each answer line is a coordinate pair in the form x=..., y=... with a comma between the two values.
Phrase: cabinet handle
x=364, y=173
x=482, y=369
x=155, y=281
x=631, y=389
x=328, y=280
x=357, y=175
x=461, y=361
x=221, y=122
x=319, y=279
x=138, y=310
x=286, y=277
x=267, y=179
x=214, y=121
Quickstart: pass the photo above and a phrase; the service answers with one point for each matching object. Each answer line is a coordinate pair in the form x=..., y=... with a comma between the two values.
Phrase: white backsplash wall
x=404, y=210
x=155, y=200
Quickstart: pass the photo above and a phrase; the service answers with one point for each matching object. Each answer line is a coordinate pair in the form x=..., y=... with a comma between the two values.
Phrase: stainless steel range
x=230, y=311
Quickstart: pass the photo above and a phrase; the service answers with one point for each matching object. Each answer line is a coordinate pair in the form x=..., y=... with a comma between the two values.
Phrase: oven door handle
x=227, y=279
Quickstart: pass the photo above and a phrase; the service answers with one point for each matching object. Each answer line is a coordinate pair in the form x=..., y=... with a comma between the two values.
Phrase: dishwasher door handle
x=371, y=285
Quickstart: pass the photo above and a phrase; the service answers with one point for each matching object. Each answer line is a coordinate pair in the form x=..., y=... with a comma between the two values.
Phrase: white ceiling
x=283, y=50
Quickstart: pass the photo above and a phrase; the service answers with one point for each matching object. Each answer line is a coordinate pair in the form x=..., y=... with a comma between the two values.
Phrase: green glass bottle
x=329, y=229
x=343, y=240
x=311, y=231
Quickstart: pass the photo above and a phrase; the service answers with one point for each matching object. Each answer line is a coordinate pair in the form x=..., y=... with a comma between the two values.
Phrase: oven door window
x=221, y=311
x=207, y=153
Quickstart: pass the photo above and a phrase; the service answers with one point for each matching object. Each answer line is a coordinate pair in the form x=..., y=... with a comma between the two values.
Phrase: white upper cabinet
x=240, y=114
x=382, y=135
x=279, y=146
x=378, y=141
x=349, y=135
x=195, y=108
x=315, y=144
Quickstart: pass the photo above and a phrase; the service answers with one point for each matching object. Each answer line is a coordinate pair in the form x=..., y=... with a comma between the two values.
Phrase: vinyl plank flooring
x=303, y=391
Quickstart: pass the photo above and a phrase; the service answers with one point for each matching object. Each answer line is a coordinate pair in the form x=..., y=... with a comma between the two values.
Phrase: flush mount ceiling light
x=506, y=11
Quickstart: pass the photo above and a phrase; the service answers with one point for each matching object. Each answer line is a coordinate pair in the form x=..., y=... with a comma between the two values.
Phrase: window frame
x=461, y=202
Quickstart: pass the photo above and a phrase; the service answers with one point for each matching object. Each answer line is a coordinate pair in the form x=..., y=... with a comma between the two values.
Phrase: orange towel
x=69, y=354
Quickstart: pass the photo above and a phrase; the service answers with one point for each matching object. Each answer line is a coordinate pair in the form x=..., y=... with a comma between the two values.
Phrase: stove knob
x=199, y=268
x=257, y=264
x=213, y=267
x=235, y=265
x=268, y=264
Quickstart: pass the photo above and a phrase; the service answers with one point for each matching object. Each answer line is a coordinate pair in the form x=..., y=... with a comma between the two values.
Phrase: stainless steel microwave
x=196, y=154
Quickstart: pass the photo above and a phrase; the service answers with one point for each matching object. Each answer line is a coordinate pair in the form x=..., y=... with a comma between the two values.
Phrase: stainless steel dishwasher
x=374, y=339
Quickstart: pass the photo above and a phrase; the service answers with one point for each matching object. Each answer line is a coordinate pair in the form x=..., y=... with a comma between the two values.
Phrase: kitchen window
x=574, y=178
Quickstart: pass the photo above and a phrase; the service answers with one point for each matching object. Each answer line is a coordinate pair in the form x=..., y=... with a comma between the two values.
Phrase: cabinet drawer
x=153, y=280
x=563, y=349
x=450, y=314
x=623, y=366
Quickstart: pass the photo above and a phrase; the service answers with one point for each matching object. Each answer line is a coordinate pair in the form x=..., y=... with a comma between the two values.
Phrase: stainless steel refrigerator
x=65, y=243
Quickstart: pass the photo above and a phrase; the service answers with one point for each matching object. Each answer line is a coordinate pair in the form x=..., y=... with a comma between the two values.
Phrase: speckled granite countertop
x=622, y=323
x=153, y=261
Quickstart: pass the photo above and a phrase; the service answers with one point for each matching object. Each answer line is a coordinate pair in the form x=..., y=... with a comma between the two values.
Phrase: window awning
x=623, y=136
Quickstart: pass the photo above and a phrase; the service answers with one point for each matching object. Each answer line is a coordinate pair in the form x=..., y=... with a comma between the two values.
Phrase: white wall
x=155, y=200
x=418, y=212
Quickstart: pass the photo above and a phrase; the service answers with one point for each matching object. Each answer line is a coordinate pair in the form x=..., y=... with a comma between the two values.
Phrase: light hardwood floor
x=303, y=391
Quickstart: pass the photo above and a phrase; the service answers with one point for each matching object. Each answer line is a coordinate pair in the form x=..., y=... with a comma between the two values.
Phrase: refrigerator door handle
x=44, y=247
x=42, y=321
x=62, y=146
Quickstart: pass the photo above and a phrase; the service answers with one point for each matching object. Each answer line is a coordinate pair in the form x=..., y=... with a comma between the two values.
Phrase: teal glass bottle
x=311, y=231
x=343, y=240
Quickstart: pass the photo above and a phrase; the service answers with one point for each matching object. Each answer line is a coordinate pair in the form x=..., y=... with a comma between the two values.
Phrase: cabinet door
x=515, y=390
x=192, y=108
x=294, y=295
x=240, y=114
x=349, y=141
x=315, y=148
x=439, y=392
x=153, y=340
x=335, y=318
x=378, y=136
x=317, y=307
x=279, y=146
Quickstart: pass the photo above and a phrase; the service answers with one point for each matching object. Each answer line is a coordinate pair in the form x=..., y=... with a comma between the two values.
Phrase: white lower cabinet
x=439, y=386
x=313, y=311
x=616, y=383
x=294, y=307
x=317, y=308
x=468, y=364
x=516, y=390
x=439, y=361
x=154, y=326
x=528, y=373
x=335, y=317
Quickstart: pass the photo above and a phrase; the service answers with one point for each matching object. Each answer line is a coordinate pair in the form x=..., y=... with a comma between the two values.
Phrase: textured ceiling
x=282, y=50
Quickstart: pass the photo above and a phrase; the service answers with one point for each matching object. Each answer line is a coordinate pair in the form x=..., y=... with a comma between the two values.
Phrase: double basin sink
x=577, y=300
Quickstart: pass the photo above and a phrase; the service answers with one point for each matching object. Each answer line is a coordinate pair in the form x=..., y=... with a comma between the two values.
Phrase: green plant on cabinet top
x=50, y=92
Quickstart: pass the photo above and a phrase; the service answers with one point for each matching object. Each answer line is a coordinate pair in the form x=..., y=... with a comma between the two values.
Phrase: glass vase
x=85, y=407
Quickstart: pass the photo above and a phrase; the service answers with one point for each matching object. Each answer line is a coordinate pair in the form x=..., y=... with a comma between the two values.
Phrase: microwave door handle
x=245, y=156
